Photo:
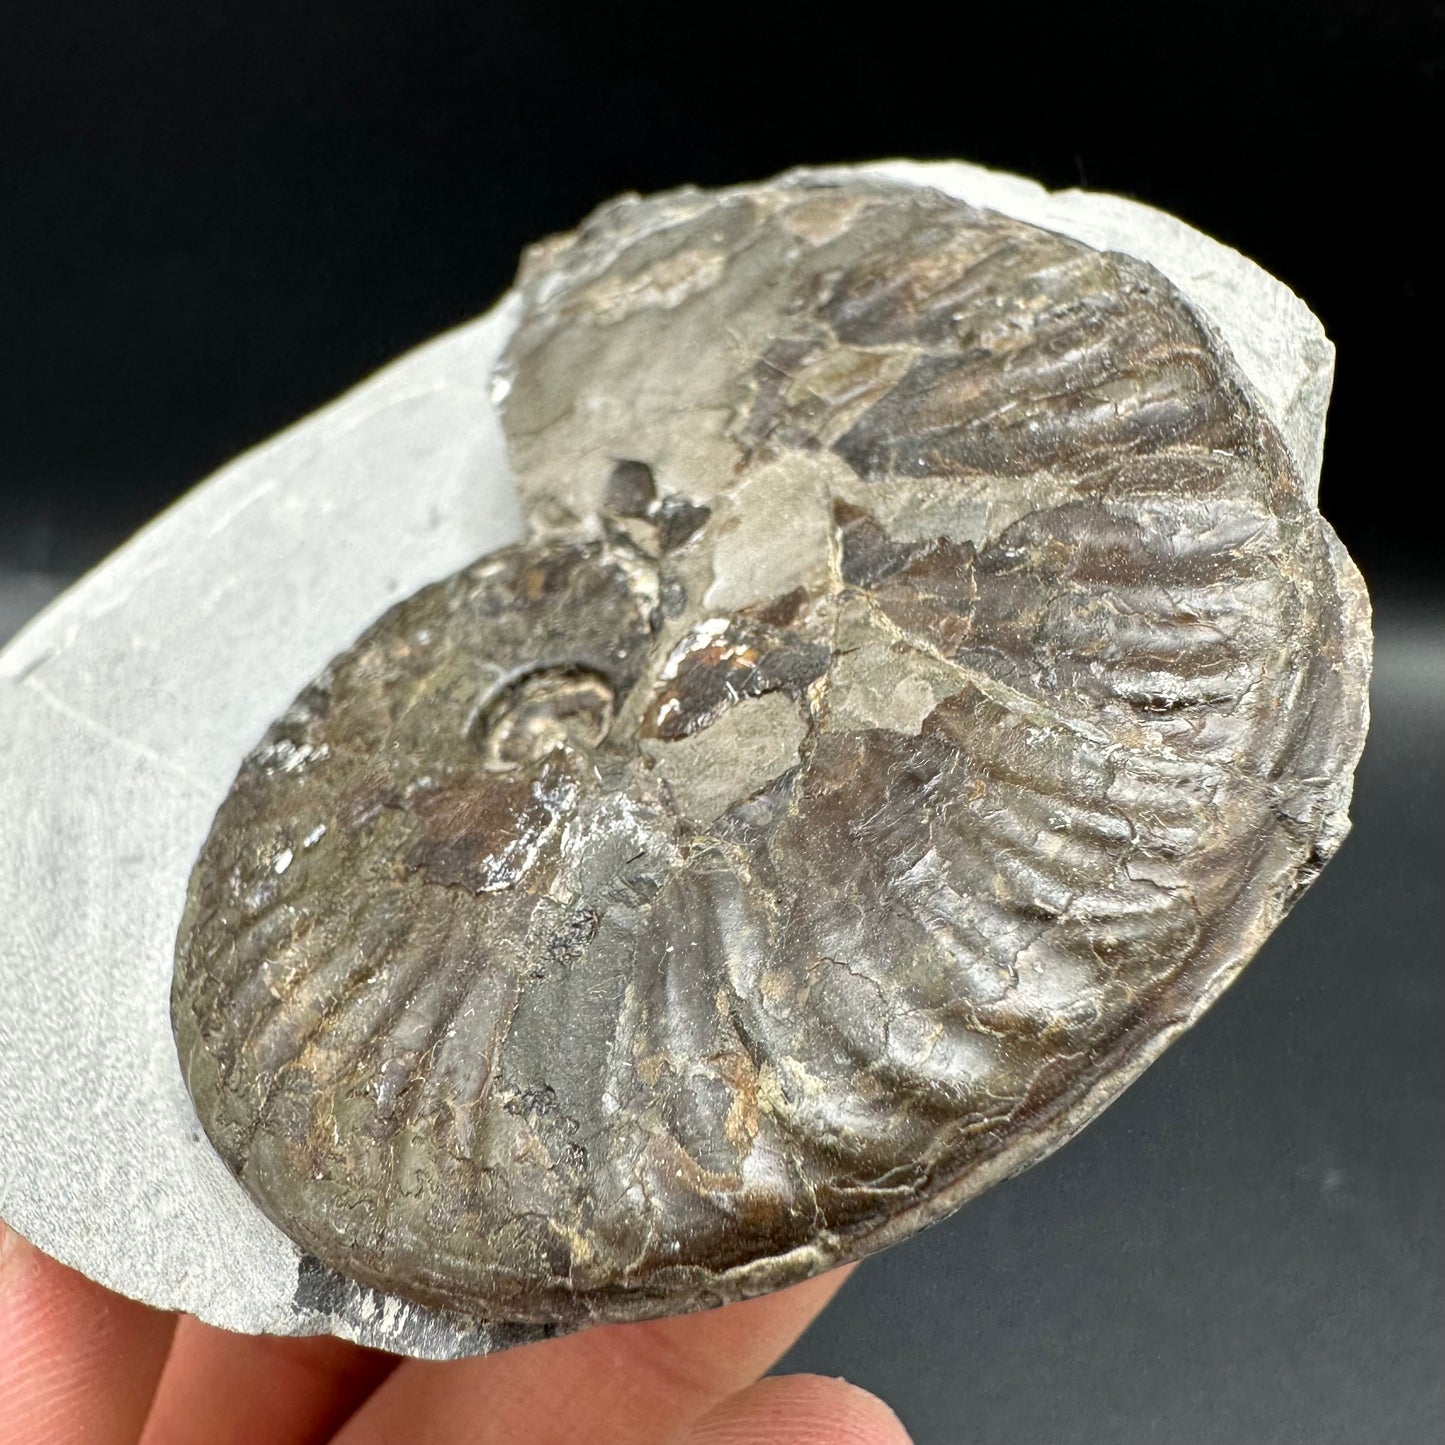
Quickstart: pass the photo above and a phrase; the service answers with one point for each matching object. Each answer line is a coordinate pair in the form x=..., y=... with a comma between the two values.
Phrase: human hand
x=78, y=1363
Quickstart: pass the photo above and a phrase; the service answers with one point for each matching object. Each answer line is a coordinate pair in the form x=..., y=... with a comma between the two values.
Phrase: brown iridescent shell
x=924, y=687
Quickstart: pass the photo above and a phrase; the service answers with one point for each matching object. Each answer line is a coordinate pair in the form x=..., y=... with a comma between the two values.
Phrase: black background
x=215, y=216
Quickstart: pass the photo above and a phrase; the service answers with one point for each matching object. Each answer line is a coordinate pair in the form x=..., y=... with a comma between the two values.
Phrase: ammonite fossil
x=924, y=686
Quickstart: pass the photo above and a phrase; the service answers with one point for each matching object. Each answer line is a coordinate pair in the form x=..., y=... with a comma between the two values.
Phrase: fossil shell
x=925, y=685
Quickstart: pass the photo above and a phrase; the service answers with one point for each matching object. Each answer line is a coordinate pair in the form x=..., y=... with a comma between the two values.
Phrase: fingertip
x=230, y=1389
x=800, y=1410
x=78, y=1361
x=15, y=1251
x=751, y=1334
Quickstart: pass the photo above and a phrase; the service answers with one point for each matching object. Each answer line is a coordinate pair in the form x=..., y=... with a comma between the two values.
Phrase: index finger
x=608, y=1385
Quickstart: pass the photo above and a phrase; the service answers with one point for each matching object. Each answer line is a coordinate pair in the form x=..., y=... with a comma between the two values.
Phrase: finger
x=76, y=1361
x=225, y=1389
x=799, y=1410
x=609, y=1386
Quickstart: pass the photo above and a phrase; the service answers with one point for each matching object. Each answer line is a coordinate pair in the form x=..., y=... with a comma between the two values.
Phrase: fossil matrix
x=925, y=684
